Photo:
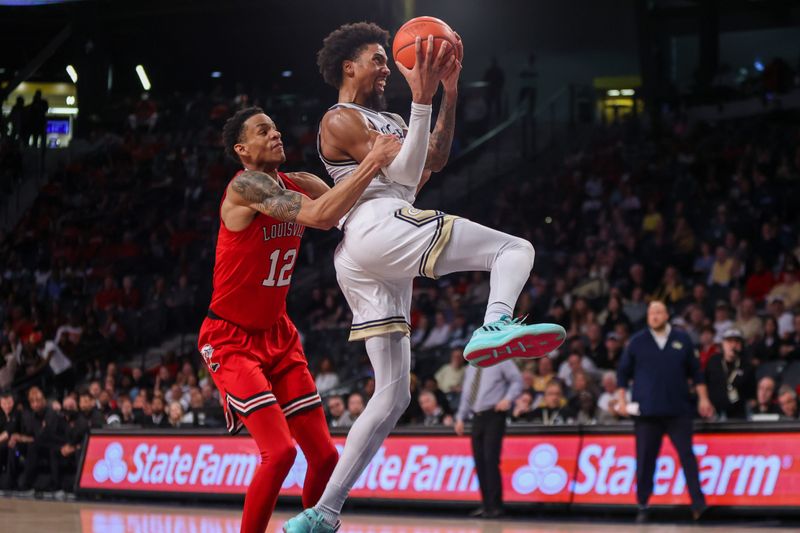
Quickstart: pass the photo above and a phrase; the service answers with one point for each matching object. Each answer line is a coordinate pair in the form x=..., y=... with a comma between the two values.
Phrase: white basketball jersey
x=381, y=186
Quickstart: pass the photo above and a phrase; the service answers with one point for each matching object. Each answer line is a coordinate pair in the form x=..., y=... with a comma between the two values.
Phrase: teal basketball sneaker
x=309, y=521
x=509, y=339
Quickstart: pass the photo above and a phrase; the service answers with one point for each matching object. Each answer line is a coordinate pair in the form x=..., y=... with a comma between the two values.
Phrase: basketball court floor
x=36, y=516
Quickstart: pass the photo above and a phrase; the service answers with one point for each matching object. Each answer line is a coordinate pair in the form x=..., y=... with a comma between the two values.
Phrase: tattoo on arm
x=267, y=196
x=442, y=137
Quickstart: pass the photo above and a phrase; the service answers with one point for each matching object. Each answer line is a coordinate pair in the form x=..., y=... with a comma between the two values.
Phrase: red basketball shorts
x=256, y=369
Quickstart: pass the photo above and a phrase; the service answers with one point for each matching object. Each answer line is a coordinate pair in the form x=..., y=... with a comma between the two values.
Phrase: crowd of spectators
x=704, y=219
x=117, y=251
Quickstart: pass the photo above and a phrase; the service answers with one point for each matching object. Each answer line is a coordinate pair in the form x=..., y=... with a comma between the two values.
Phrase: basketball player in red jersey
x=250, y=346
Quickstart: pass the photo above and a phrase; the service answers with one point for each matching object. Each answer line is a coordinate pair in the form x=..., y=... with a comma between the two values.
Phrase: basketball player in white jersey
x=387, y=242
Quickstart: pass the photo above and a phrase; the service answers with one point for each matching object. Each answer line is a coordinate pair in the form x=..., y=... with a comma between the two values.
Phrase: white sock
x=390, y=356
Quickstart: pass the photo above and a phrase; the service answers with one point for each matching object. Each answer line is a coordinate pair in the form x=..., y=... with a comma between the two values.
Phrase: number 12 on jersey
x=284, y=278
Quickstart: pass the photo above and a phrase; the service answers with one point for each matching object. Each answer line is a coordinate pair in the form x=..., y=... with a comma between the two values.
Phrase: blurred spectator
x=765, y=398
x=523, y=407
x=760, y=282
x=9, y=421
x=722, y=320
x=34, y=442
x=671, y=290
x=127, y=416
x=607, y=400
x=595, y=345
x=175, y=415
x=730, y=378
x=787, y=400
x=433, y=413
x=581, y=382
x=788, y=286
x=36, y=121
x=708, y=346
x=785, y=319
x=768, y=346
x=722, y=271
x=449, y=377
x=74, y=428
x=10, y=353
x=88, y=410
x=587, y=412
x=461, y=332
x=576, y=362
x=790, y=349
x=553, y=411
x=355, y=405
x=635, y=308
x=157, y=417
x=612, y=314
x=747, y=322
x=420, y=332
x=337, y=415
x=327, y=379
x=439, y=335
x=16, y=118
x=544, y=374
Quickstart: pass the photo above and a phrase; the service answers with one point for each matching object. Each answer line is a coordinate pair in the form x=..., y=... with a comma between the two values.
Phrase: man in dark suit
x=660, y=361
x=730, y=377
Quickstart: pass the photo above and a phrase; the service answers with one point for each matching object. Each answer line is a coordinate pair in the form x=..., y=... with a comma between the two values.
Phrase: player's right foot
x=309, y=521
x=510, y=339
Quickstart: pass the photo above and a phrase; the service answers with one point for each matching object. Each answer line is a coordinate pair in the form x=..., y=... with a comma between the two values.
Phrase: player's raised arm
x=441, y=139
x=260, y=192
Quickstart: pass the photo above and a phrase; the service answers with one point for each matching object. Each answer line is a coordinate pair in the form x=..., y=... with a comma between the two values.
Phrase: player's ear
x=240, y=149
x=348, y=67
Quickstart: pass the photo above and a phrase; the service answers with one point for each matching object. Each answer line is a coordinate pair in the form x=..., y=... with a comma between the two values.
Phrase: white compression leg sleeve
x=406, y=169
x=475, y=247
x=390, y=355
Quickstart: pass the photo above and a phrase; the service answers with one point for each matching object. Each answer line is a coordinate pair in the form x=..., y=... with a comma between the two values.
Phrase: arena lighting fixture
x=612, y=92
x=287, y=74
x=143, y=77
x=216, y=74
x=63, y=110
x=70, y=100
x=627, y=92
x=73, y=74
x=758, y=65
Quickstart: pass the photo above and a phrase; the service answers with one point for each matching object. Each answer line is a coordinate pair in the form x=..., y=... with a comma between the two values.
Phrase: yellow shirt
x=721, y=273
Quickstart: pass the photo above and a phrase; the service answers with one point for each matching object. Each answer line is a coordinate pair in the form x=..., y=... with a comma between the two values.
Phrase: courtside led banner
x=752, y=469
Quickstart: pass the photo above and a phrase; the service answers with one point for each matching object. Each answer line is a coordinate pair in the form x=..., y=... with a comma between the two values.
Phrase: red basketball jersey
x=254, y=267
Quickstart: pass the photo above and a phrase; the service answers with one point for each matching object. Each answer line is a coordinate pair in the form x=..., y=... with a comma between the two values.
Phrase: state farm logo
x=542, y=472
x=111, y=467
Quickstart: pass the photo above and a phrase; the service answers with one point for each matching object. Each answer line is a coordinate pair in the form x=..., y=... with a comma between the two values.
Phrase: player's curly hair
x=232, y=130
x=345, y=43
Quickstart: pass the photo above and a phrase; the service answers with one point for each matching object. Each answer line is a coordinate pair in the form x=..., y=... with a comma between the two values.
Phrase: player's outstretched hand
x=428, y=71
x=385, y=148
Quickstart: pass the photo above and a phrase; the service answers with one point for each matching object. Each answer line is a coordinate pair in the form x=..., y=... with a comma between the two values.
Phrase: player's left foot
x=509, y=338
x=309, y=521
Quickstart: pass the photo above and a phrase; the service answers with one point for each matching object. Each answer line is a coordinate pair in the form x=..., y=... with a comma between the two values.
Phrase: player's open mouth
x=381, y=83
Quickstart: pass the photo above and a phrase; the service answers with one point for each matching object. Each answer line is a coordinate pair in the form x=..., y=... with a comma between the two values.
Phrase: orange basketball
x=403, y=44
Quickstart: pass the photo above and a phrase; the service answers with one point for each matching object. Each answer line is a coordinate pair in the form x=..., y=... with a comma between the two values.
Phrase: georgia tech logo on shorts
x=207, y=352
x=111, y=467
x=542, y=472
